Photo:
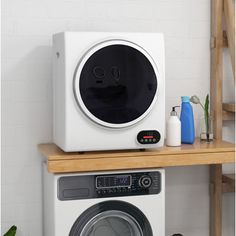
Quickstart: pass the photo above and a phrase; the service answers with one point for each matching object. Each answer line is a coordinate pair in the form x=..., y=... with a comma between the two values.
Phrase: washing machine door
x=112, y=218
x=116, y=83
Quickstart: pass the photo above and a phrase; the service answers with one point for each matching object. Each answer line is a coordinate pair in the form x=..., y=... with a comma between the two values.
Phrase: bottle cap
x=173, y=112
x=185, y=99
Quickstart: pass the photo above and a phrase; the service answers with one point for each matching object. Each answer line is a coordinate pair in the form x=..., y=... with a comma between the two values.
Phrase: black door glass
x=112, y=218
x=117, y=84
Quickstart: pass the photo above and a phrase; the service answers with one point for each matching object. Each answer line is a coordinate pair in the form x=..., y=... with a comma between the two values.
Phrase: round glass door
x=112, y=223
x=112, y=218
x=115, y=84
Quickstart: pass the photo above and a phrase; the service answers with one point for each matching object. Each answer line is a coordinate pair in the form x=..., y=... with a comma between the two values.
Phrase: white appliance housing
x=99, y=216
x=108, y=87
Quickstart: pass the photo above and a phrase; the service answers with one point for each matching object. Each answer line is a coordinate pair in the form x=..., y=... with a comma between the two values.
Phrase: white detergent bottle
x=173, y=129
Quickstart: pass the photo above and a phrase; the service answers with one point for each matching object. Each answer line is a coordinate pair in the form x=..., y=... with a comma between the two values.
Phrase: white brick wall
x=27, y=26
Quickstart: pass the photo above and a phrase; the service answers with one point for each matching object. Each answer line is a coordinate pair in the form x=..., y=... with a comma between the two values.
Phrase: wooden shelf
x=228, y=116
x=217, y=152
x=222, y=13
x=230, y=107
x=228, y=183
x=228, y=111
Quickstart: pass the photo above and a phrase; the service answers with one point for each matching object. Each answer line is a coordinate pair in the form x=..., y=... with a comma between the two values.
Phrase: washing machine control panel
x=128, y=184
x=109, y=185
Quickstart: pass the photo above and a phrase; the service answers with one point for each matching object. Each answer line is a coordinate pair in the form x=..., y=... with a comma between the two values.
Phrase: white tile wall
x=27, y=26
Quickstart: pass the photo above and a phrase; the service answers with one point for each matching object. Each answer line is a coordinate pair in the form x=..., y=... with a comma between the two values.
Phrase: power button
x=145, y=181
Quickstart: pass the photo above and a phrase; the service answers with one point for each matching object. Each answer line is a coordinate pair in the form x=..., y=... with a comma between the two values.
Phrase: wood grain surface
x=217, y=152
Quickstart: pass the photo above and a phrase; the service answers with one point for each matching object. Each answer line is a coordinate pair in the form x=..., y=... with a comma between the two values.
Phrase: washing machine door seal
x=112, y=218
x=116, y=83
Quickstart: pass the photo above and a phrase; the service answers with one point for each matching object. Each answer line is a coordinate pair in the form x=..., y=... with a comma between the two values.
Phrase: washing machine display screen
x=117, y=84
x=113, y=181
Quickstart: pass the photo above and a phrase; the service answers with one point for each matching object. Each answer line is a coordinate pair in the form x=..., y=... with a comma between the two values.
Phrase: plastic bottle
x=187, y=121
x=173, y=129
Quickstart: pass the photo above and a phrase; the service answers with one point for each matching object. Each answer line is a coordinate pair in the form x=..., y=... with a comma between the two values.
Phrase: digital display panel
x=148, y=137
x=113, y=181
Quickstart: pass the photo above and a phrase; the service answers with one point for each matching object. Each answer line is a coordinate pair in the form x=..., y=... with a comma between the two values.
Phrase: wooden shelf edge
x=228, y=116
x=138, y=162
x=230, y=107
x=52, y=152
x=216, y=152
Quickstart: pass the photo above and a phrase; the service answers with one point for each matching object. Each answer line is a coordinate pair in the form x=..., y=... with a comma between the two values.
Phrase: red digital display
x=149, y=136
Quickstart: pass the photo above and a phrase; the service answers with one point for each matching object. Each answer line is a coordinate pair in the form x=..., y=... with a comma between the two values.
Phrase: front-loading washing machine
x=124, y=203
x=109, y=90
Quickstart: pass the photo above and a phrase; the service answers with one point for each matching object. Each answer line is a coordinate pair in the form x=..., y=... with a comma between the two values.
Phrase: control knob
x=145, y=181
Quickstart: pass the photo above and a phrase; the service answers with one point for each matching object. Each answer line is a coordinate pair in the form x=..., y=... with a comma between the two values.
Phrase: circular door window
x=112, y=218
x=115, y=83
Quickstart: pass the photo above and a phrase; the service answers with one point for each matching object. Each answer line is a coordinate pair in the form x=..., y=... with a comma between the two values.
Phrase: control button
x=115, y=71
x=150, y=140
x=141, y=140
x=98, y=72
x=145, y=181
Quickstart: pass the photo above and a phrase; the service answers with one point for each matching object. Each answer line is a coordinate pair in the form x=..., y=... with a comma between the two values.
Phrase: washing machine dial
x=145, y=181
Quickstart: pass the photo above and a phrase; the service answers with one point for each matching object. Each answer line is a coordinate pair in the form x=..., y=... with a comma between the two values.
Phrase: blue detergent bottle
x=187, y=121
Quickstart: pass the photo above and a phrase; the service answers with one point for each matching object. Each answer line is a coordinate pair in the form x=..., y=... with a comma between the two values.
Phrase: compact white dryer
x=127, y=203
x=109, y=90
